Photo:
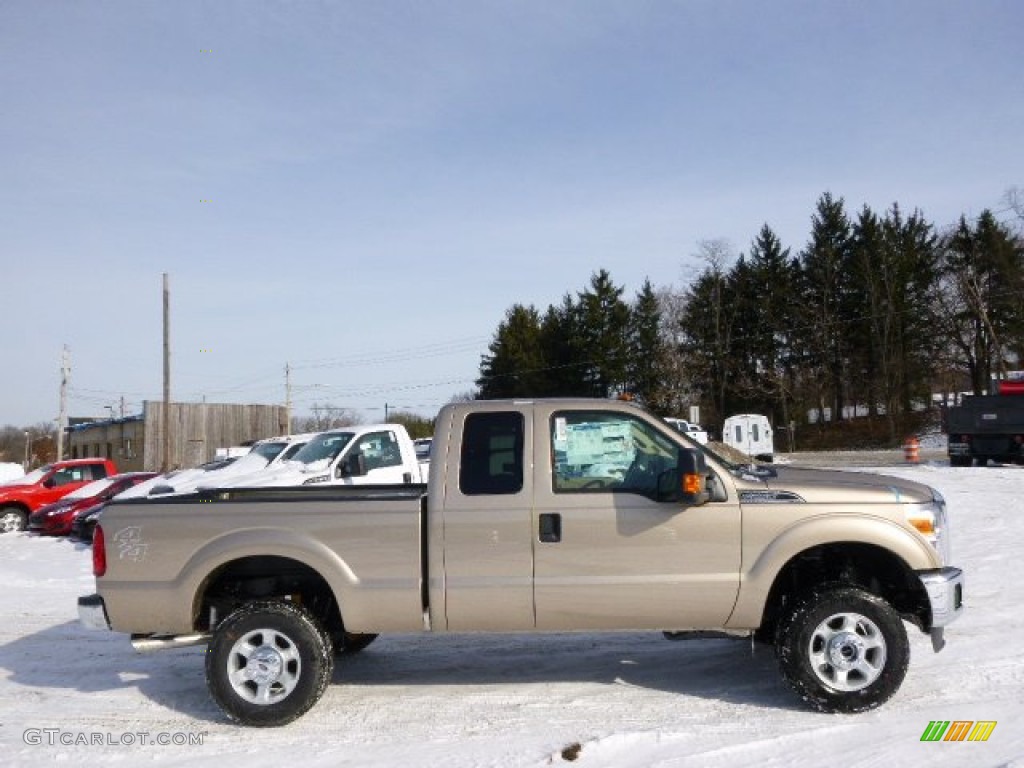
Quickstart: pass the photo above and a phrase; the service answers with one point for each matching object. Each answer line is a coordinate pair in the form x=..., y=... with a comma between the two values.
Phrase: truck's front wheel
x=843, y=649
x=268, y=663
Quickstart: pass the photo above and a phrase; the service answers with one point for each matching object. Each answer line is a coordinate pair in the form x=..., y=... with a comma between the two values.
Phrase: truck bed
x=157, y=548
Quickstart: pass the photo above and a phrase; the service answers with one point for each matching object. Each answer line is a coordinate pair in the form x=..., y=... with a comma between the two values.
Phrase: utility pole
x=287, y=399
x=62, y=419
x=385, y=412
x=207, y=455
x=166, y=426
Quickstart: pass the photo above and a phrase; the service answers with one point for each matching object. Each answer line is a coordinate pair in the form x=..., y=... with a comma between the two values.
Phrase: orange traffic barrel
x=912, y=450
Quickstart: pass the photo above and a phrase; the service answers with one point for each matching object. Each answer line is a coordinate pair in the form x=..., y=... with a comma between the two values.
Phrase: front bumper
x=92, y=612
x=945, y=589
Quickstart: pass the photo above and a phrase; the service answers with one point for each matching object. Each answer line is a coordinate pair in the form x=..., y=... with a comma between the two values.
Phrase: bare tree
x=1014, y=199
x=677, y=391
x=325, y=416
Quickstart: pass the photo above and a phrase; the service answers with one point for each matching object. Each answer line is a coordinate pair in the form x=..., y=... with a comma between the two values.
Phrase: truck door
x=67, y=479
x=383, y=456
x=608, y=555
x=488, y=541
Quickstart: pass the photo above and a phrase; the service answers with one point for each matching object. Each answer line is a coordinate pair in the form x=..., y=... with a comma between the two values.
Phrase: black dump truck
x=985, y=427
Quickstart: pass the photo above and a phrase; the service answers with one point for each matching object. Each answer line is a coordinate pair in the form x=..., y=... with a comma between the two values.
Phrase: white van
x=750, y=433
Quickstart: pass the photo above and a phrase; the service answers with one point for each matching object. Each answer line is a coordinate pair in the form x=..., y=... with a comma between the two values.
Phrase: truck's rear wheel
x=268, y=663
x=843, y=649
x=12, y=519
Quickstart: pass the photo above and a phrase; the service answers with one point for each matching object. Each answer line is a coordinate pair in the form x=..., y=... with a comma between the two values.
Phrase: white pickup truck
x=366, y=454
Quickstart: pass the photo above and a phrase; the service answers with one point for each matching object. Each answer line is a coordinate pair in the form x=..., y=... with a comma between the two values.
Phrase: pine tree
x=563, y=369
x=515, y=361
x=869, y=329
x=825, y=267
x=706, y=330
x=601, y=336
x=646, y=350
x=771, y=297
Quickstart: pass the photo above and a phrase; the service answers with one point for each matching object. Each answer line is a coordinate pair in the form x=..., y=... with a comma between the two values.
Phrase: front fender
x=766, y=562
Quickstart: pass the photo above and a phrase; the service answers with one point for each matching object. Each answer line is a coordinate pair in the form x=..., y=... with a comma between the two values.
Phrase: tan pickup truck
x=538, y=516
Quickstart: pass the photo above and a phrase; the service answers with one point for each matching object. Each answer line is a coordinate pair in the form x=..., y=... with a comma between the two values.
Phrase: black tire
x=960, y=461
x=12, y=519
x=284, y=648
x=842, y=649
x=348, y=643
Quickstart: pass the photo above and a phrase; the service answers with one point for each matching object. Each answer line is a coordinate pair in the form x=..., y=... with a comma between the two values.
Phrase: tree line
x=878, y=311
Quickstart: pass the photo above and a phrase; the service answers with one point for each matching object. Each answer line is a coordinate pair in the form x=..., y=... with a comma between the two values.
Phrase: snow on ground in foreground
x=627, y=699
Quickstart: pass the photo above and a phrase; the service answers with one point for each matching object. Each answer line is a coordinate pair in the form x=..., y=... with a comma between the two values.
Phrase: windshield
x=91, y=489
x=731, y=466
x=269, y=451
x=327, y=446
x=32, y=477
x=289, y=452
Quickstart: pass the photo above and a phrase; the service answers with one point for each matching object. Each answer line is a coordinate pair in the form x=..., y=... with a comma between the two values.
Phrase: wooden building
x=135, y=443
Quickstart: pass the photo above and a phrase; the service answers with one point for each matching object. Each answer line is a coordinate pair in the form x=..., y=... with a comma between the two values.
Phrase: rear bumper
x=92, y=612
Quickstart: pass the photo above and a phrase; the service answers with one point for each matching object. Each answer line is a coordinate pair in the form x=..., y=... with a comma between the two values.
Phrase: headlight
x=933, y=523
x=317, y=479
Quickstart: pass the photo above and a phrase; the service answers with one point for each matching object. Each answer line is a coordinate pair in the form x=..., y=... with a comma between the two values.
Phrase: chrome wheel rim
x=10, y=522
x=847, y=652
x=264, y=666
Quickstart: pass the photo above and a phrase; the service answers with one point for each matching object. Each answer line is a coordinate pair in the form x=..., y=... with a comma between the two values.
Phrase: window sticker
x=607, y=442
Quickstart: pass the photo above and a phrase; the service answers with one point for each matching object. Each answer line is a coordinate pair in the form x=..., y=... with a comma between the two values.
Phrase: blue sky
x=361, y=189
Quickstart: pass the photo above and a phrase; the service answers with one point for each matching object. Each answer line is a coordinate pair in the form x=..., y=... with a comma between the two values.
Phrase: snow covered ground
x=74, y=697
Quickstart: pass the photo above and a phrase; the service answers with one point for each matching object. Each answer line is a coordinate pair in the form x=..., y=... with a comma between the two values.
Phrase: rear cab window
x=492, y=453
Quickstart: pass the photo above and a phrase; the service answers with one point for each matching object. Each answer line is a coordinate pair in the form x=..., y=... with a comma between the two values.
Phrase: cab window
x=601, y=451
x=381, y=450
x=491, y=461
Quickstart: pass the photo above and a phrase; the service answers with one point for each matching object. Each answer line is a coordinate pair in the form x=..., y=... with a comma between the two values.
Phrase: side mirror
x=353, y=465
x=49, y=482
x=687, y=484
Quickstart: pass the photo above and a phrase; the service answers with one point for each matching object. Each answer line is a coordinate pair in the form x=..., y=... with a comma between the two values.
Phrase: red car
x=56, y=519
x=20, y=498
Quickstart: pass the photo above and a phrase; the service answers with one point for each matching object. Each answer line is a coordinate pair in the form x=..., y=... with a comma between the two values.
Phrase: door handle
x=550, y=527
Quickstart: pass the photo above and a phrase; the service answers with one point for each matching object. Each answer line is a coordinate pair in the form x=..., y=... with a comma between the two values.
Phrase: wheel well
x=260, y=578
x=870, y=567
